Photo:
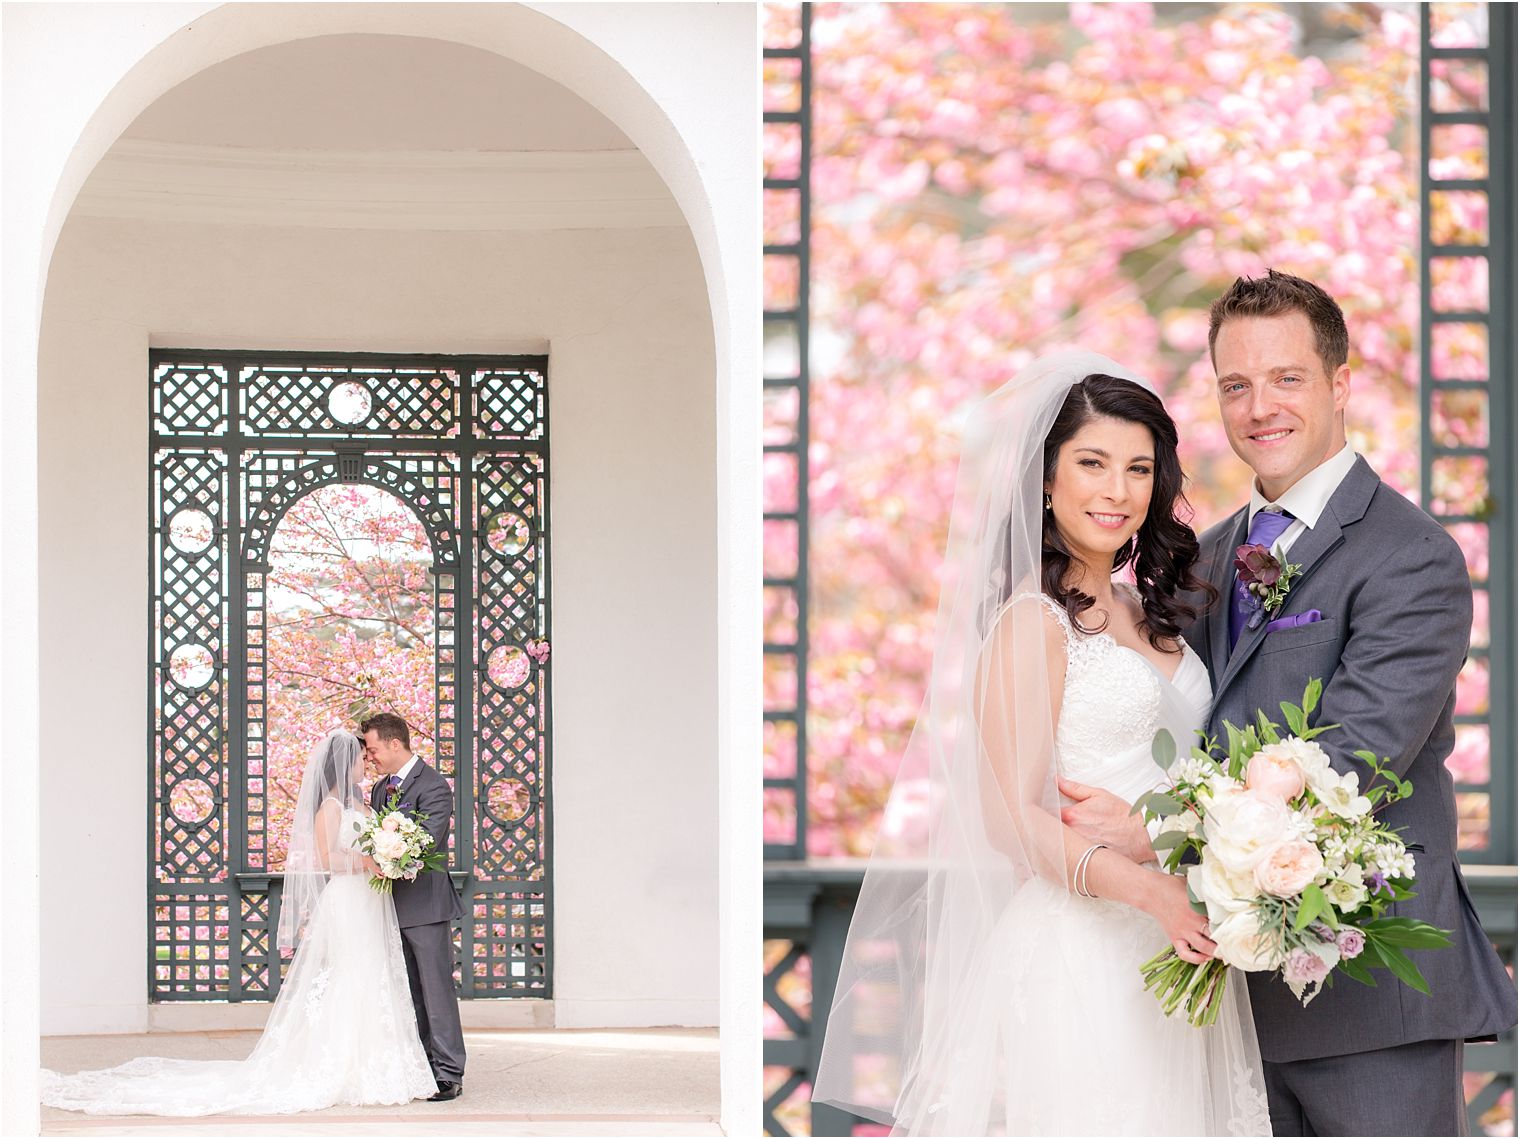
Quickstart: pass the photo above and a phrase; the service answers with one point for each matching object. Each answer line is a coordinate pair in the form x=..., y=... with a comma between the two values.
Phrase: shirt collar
x=1307, y=498
x=406, y=769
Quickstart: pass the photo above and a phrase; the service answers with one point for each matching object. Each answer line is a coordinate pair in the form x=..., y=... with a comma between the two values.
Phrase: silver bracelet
x=1079, y=878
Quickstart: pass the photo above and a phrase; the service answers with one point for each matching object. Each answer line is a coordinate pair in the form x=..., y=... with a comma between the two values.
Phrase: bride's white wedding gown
x=1067, y=967
x=341, y=1030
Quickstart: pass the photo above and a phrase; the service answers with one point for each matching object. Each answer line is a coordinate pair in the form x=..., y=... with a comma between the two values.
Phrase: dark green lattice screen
x=237, y=439
x=1467, y=387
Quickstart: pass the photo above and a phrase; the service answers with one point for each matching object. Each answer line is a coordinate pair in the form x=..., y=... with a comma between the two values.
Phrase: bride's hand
x=1102, y=816
x=1185, y=927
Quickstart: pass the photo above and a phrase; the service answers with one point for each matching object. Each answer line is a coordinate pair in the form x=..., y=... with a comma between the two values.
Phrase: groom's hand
x=1103, y=817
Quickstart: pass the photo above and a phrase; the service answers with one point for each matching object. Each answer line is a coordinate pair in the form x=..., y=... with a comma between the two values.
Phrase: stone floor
x=518, y=1082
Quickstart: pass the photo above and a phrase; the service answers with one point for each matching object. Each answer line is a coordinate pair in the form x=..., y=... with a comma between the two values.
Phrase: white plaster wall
x=623, y=315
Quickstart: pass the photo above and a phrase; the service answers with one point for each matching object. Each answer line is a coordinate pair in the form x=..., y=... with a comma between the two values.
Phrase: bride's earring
x=1047, y=501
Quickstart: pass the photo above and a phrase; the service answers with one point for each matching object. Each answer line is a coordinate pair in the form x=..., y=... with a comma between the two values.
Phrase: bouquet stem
x=380, y=885
x=1196, y=990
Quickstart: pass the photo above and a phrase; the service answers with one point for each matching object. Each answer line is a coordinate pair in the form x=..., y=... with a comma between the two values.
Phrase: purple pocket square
x=1308, y=617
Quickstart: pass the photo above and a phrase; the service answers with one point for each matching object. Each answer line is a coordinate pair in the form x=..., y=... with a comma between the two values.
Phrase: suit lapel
x=1347, y=505
x=406, y=784
x=1223, y=579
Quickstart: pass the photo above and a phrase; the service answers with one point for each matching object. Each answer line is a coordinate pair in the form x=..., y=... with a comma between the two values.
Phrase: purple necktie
x=1266, y=528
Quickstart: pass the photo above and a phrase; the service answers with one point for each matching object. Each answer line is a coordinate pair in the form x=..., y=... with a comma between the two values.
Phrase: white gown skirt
x=1087, y=1051
x=341, y=1031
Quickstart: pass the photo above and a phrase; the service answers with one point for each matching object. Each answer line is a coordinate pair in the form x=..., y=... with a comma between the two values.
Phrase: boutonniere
x=1266, y=580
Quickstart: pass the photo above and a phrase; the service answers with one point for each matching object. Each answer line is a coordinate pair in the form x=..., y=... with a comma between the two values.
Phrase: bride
x=341, y=1030
x=990, y=981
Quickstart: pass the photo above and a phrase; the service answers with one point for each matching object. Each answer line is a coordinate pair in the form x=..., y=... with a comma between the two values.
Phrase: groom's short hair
x=1277, y=294
x=388, y=726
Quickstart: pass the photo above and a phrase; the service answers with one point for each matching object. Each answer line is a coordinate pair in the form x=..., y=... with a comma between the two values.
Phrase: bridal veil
x=973, y=816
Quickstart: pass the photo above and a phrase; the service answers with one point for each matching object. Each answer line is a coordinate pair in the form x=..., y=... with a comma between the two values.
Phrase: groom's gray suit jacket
x=431, y=897
x=1396, y=601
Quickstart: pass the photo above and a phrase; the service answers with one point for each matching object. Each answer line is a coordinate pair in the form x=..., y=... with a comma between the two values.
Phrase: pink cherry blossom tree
x=350, y=621
x=991, y=183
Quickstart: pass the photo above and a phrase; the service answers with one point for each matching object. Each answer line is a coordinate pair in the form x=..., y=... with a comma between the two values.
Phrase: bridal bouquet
x=1289, y=861
x=399, y=845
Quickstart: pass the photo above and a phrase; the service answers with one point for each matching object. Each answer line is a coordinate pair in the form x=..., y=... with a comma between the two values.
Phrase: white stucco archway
x=77, y=75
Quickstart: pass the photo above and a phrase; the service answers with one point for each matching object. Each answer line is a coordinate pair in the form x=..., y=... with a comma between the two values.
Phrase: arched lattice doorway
x=237, y=439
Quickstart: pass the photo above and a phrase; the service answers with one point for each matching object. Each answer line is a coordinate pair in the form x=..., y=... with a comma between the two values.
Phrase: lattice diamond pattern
x=189, y=729
x=190, y=399
x=257, y=944
x=510, y=403
x=403, y=402
x=510, y=723
x=216, y=942
x=192, y=958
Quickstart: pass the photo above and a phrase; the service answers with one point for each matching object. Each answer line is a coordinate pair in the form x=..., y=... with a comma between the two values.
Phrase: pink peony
x=1350, y=942
x=1305, y=967
x=1287, y=867
x=1272, y=773
x=390, y=822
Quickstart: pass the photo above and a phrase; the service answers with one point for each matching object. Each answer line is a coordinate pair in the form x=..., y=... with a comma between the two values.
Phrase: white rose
x=1220, y=890
x=1342, y=795
x=1241, y=825
x=1241, y=943
x=390, y=845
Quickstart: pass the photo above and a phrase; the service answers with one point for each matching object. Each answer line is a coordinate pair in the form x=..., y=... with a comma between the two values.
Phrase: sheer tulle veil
x=333, y=771
x=974, y=813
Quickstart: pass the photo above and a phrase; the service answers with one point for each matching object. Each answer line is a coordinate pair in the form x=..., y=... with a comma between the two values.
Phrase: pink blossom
x=1305, y=967
x=1350, y=942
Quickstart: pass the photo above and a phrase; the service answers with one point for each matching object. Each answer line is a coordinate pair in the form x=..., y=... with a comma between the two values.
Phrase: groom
x=1381, y=611
x=426, y=906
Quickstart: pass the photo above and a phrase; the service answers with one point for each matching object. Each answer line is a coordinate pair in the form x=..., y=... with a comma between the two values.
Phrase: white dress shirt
x=406, y=769
x=1306, y=499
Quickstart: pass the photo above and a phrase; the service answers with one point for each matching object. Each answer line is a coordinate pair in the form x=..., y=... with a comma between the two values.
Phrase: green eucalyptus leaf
x=1164, y=749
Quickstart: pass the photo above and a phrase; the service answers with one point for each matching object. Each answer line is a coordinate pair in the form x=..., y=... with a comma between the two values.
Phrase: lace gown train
x=341, y=1031
x=1067, y=968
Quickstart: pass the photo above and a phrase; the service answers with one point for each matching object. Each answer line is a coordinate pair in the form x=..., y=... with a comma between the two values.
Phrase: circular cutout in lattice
x=191, y=530
x=508, y=533
x=191, y=801
x=508, y=666
x=192, y=666
x=350, y=402
x=509, y=799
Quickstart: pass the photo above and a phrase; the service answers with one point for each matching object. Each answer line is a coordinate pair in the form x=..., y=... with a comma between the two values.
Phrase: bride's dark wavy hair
x=1164, y=550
